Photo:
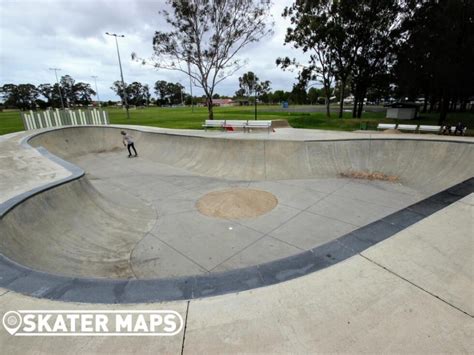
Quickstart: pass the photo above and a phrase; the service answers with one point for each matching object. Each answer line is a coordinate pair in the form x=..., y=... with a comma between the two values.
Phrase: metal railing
x=59, y=118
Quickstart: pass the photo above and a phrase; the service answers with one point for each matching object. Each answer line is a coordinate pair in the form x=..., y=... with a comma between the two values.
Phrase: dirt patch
x=236, y=203
x=364, y=175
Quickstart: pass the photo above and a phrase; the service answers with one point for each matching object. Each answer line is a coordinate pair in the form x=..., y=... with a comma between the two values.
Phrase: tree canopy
x=206, y=36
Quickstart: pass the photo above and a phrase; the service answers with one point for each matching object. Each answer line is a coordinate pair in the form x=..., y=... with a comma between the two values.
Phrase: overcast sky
x=70, y=34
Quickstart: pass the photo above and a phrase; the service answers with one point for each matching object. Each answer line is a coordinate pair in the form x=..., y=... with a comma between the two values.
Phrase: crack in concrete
x=185, y=326
x=417, y=286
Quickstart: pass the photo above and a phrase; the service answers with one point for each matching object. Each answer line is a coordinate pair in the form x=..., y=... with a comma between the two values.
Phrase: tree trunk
x=425, y=104
x=210, y=108
x=359, y=109
x=341, y=98
x=328, y=109
x=354, y=107
x=444, y=111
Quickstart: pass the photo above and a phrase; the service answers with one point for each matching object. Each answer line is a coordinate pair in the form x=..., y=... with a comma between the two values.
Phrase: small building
x=223, y=102
x=402, y=110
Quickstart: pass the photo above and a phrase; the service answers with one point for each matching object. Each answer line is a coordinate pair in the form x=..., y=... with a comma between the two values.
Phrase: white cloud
x=38, y=34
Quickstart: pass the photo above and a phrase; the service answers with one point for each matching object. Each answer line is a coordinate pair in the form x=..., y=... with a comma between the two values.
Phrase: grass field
x=184, y=118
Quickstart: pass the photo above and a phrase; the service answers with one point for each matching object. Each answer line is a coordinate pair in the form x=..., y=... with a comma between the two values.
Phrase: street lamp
x=190, y=86
x=96, y=90
x=121, y=72
x=59, y=86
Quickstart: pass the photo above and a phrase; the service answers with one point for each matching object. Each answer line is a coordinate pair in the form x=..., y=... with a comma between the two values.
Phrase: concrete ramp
x=76, y=230
x=427, y=165
x=73, y=230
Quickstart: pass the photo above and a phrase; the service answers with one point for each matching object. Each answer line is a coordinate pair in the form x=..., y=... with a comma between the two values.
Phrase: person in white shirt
x=128, y=142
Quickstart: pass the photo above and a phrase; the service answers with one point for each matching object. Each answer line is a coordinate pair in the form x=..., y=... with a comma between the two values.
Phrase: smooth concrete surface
x=137, y=218
x=22, y=168
x=412, y=293
x=416, y=297
x=447, y=271
x=356, y=306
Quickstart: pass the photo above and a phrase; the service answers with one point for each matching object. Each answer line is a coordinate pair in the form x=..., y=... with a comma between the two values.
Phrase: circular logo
x=12, y=321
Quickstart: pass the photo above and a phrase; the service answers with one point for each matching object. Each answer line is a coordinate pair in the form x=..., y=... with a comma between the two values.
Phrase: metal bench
x=259, y=124
x=386, y=126
x=407, y=127
x=425, y=128
x=231, y=124
x=213, y=124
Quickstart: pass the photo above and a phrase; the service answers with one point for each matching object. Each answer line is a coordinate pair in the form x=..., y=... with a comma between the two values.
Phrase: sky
x=36, y=35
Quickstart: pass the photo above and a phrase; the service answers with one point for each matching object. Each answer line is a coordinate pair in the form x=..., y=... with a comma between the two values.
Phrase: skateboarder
x=128, y=142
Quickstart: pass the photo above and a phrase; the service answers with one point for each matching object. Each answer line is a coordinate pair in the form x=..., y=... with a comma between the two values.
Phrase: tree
x=240, y=93
x=22, y=96
x=298, y=95
x=279, y=96
x=82, y=93
x=251, y=85
x=348, y=41
x=376, y=30
x=119, y=90
x=314, y=94
x=146, y=94
x=205, y=38
x=67, y=87
x=248, y=83
x=135, y=94
x=436, y=56
x=313, y=40
x=169, y=93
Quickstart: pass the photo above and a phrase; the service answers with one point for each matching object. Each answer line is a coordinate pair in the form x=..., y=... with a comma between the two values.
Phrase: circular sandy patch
x=236, y=203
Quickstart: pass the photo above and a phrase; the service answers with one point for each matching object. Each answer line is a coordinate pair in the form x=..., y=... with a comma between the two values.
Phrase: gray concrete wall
x=425, y=165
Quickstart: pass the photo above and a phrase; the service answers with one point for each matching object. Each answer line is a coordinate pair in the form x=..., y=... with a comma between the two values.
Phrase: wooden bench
x=259, y=124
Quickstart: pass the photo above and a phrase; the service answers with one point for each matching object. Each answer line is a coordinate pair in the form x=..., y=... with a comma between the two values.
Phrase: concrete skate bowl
x=130, y=230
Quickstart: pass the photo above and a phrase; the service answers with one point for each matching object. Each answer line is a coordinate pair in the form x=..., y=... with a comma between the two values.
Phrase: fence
x=59, y=118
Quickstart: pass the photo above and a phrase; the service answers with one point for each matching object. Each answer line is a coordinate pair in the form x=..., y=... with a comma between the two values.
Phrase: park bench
x=213, y=124
x=259, y=124
x=407, y=127
x=425, y=128
x=386, y=126
x=231, y=124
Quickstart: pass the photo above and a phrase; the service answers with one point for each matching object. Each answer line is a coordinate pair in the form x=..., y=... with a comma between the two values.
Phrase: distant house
x=224, y=102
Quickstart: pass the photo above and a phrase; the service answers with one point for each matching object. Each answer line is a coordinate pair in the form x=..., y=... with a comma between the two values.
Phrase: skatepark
x=240, y=223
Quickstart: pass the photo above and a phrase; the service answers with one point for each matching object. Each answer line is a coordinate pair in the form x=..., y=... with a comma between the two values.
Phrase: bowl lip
x=39, y=284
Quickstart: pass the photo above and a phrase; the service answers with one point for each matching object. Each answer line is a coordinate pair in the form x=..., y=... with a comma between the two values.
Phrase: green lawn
x=181, y=117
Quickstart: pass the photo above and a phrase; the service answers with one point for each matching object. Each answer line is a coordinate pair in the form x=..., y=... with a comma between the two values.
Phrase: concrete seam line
x=185, y=327
x=417, y=286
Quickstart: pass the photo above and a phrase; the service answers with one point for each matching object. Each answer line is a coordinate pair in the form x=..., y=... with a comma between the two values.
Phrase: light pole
x=96, y=90
x=190, y=86
x=121, y=72
x=59, y=86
